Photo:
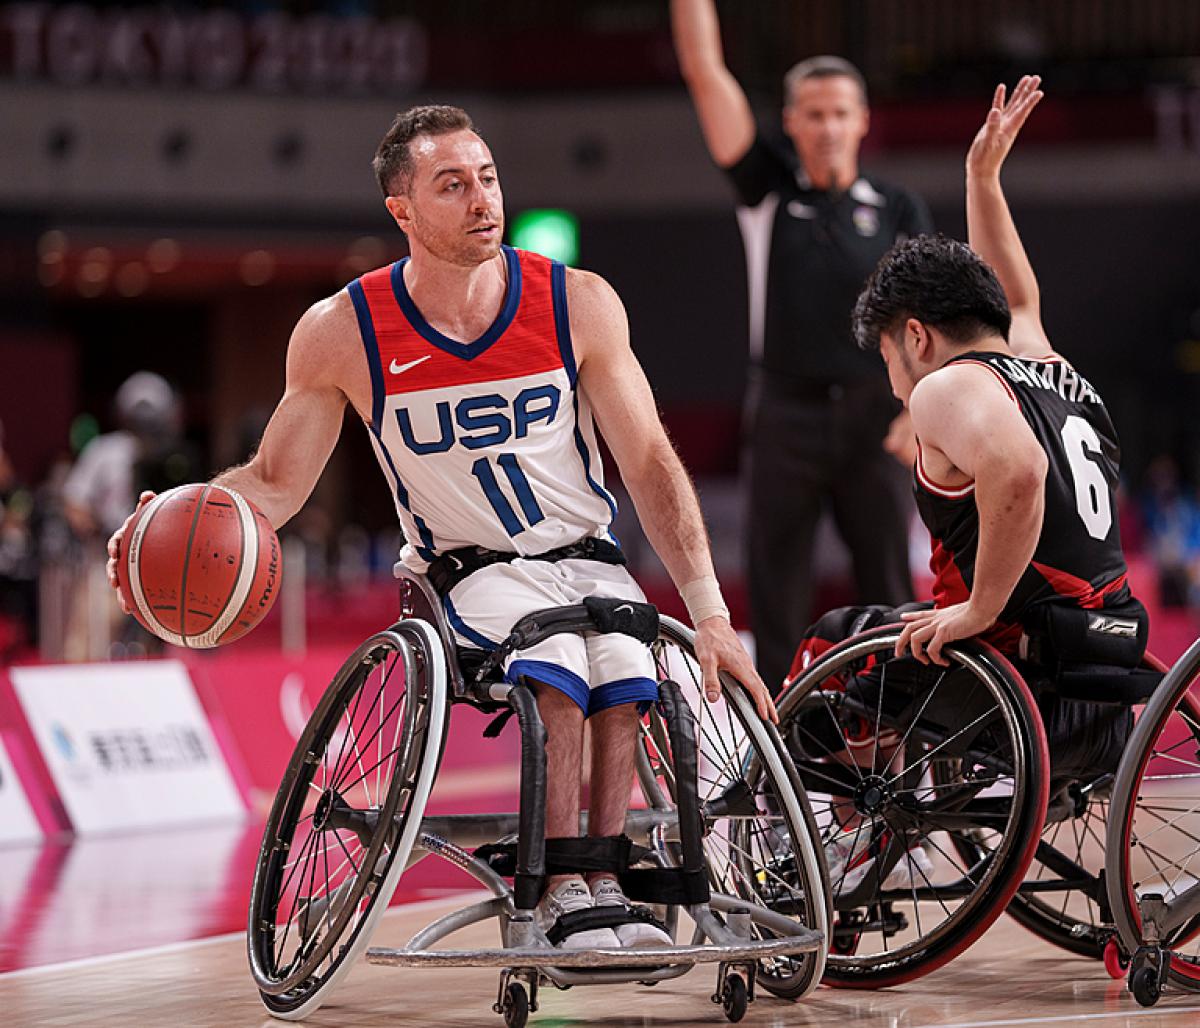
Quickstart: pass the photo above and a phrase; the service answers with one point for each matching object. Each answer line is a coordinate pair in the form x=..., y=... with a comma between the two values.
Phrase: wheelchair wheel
x=758, y=829
x=1071, y=850
x=1063, y=898
x=929, y=786
x=346, y=816
x=1153, y=842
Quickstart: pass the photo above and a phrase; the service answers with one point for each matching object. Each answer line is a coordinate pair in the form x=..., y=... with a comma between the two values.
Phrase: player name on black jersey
x=1055, y=374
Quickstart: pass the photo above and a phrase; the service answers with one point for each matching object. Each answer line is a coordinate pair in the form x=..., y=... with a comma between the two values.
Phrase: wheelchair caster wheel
x=1115, y=962
x=1145, y=986
x=734, y=998
x=515, y=1006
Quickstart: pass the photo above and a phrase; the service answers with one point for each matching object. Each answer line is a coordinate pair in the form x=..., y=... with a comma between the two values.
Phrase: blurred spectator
x=147, y=451
x=1172, y=519
x=18, y=559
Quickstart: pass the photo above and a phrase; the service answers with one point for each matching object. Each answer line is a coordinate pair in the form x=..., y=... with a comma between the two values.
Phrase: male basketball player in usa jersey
x=1016, y=472
x=481, y=374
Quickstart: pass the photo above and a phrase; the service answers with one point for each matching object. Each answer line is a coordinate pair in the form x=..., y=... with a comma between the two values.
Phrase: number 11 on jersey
x=483, y=471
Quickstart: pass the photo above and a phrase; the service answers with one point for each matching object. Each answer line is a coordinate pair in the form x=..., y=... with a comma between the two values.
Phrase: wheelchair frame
x=725, y=924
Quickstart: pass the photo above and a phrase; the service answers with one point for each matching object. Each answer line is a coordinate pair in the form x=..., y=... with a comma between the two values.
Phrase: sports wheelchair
x=1091, y=841
x=726, y=834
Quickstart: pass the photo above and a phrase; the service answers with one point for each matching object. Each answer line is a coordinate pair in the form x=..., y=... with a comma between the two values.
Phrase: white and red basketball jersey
x=486, y=443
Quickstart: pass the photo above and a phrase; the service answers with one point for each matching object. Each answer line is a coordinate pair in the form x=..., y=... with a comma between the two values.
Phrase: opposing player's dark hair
x=393, y=163
x=940, y=282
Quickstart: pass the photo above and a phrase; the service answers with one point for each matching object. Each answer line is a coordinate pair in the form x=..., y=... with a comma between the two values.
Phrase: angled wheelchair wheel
x=1153, y=841
x=1063, y=898
x=758, y=829
x=929, y=786
x=346, y=816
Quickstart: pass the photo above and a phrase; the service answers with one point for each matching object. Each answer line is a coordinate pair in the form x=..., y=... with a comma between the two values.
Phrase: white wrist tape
x=703, y=599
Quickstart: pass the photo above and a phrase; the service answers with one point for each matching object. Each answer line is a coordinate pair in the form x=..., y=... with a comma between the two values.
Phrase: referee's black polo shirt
x=808, y=253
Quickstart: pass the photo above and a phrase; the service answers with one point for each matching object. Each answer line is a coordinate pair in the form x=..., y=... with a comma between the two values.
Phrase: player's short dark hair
x=393, y=161
x=940, y=282
x=826, y=66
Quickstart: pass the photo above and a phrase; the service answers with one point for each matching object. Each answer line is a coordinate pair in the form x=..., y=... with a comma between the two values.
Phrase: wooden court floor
x=1010, y=978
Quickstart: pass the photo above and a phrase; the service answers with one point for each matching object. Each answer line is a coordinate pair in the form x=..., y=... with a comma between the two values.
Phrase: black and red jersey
x=1078, y=561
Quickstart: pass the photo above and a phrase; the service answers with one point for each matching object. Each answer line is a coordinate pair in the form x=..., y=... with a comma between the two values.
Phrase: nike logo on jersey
x=624, y=606
x=400, y=369
x=801, y=210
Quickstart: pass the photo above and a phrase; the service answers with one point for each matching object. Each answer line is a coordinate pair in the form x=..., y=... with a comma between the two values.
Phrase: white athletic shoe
x=566, y=898
x=851, y=856
x=637, y=934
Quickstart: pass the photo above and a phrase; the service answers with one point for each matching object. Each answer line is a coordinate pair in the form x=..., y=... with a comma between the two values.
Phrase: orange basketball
x=199, y=566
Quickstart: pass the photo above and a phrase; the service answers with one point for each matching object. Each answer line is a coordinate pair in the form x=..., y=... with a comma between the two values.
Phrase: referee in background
x=824, y=427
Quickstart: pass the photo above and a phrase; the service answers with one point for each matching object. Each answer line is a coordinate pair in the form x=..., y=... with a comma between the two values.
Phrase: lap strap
x=447, y=570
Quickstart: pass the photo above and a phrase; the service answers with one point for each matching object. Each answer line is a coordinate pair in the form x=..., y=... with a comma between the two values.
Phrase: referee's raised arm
x=721, y=104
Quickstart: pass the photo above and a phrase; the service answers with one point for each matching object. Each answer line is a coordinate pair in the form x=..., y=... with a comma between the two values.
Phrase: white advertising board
x=17, y=820
x=128, y=745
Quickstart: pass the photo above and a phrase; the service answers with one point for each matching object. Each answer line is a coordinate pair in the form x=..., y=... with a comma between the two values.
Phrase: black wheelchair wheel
x=1062, y=897
x=346, y=816
x=758, y=829
x=929, y=786
x=1153, y=842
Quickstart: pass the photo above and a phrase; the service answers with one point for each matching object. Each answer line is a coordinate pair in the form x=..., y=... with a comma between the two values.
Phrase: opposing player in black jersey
x=1017, y=461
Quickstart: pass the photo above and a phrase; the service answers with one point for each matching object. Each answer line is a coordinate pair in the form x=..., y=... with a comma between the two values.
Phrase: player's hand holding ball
x=198, y=565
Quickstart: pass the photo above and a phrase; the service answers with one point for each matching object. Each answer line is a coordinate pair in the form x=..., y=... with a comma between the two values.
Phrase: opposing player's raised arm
x=966, y=420
x=721, y=105
x=612, y=381
x=991, y=230
x=305, y=426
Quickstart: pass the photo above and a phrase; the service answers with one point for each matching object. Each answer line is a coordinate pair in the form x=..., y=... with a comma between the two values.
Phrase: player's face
x=454, y=208
x=826, y=120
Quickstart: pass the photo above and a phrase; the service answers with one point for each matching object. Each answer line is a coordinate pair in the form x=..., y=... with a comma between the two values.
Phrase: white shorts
x=597, y=670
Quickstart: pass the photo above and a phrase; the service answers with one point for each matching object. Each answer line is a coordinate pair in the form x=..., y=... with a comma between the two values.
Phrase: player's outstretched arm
x=612, y=381
x=721, y=105
x=966, y=418
x=304, y=428
x=306, y=424
x=991, y=230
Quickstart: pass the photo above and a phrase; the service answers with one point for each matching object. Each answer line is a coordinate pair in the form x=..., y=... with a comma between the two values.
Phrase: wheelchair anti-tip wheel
x=929, y=786
x=346, y=816
x=758, y=829
x=1153, y=844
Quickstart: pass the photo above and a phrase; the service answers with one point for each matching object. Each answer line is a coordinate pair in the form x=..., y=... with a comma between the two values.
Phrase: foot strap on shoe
x=592, y=918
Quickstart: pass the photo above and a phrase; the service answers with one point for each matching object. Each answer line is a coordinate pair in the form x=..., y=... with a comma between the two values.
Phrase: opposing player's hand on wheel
x=927, y=631
x=1004, y=121
x=719, y=649
x=114, y=548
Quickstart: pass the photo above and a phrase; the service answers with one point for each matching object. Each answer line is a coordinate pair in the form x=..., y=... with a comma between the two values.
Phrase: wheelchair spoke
x=924, y=706
x=836, y=724
x=338, y=784
x=878, y=716
x=939, y=747
x=1165, y=825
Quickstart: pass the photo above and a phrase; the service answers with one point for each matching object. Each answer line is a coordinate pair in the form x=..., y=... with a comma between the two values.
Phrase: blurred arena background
x=179, y=182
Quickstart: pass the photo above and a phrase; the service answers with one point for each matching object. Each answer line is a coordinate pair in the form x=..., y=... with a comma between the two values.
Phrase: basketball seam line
x=134, y=568
x=246, y=571
x=187, y=562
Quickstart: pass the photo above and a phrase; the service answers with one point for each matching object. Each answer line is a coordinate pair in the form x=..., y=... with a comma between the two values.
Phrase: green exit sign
x=552, y=233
